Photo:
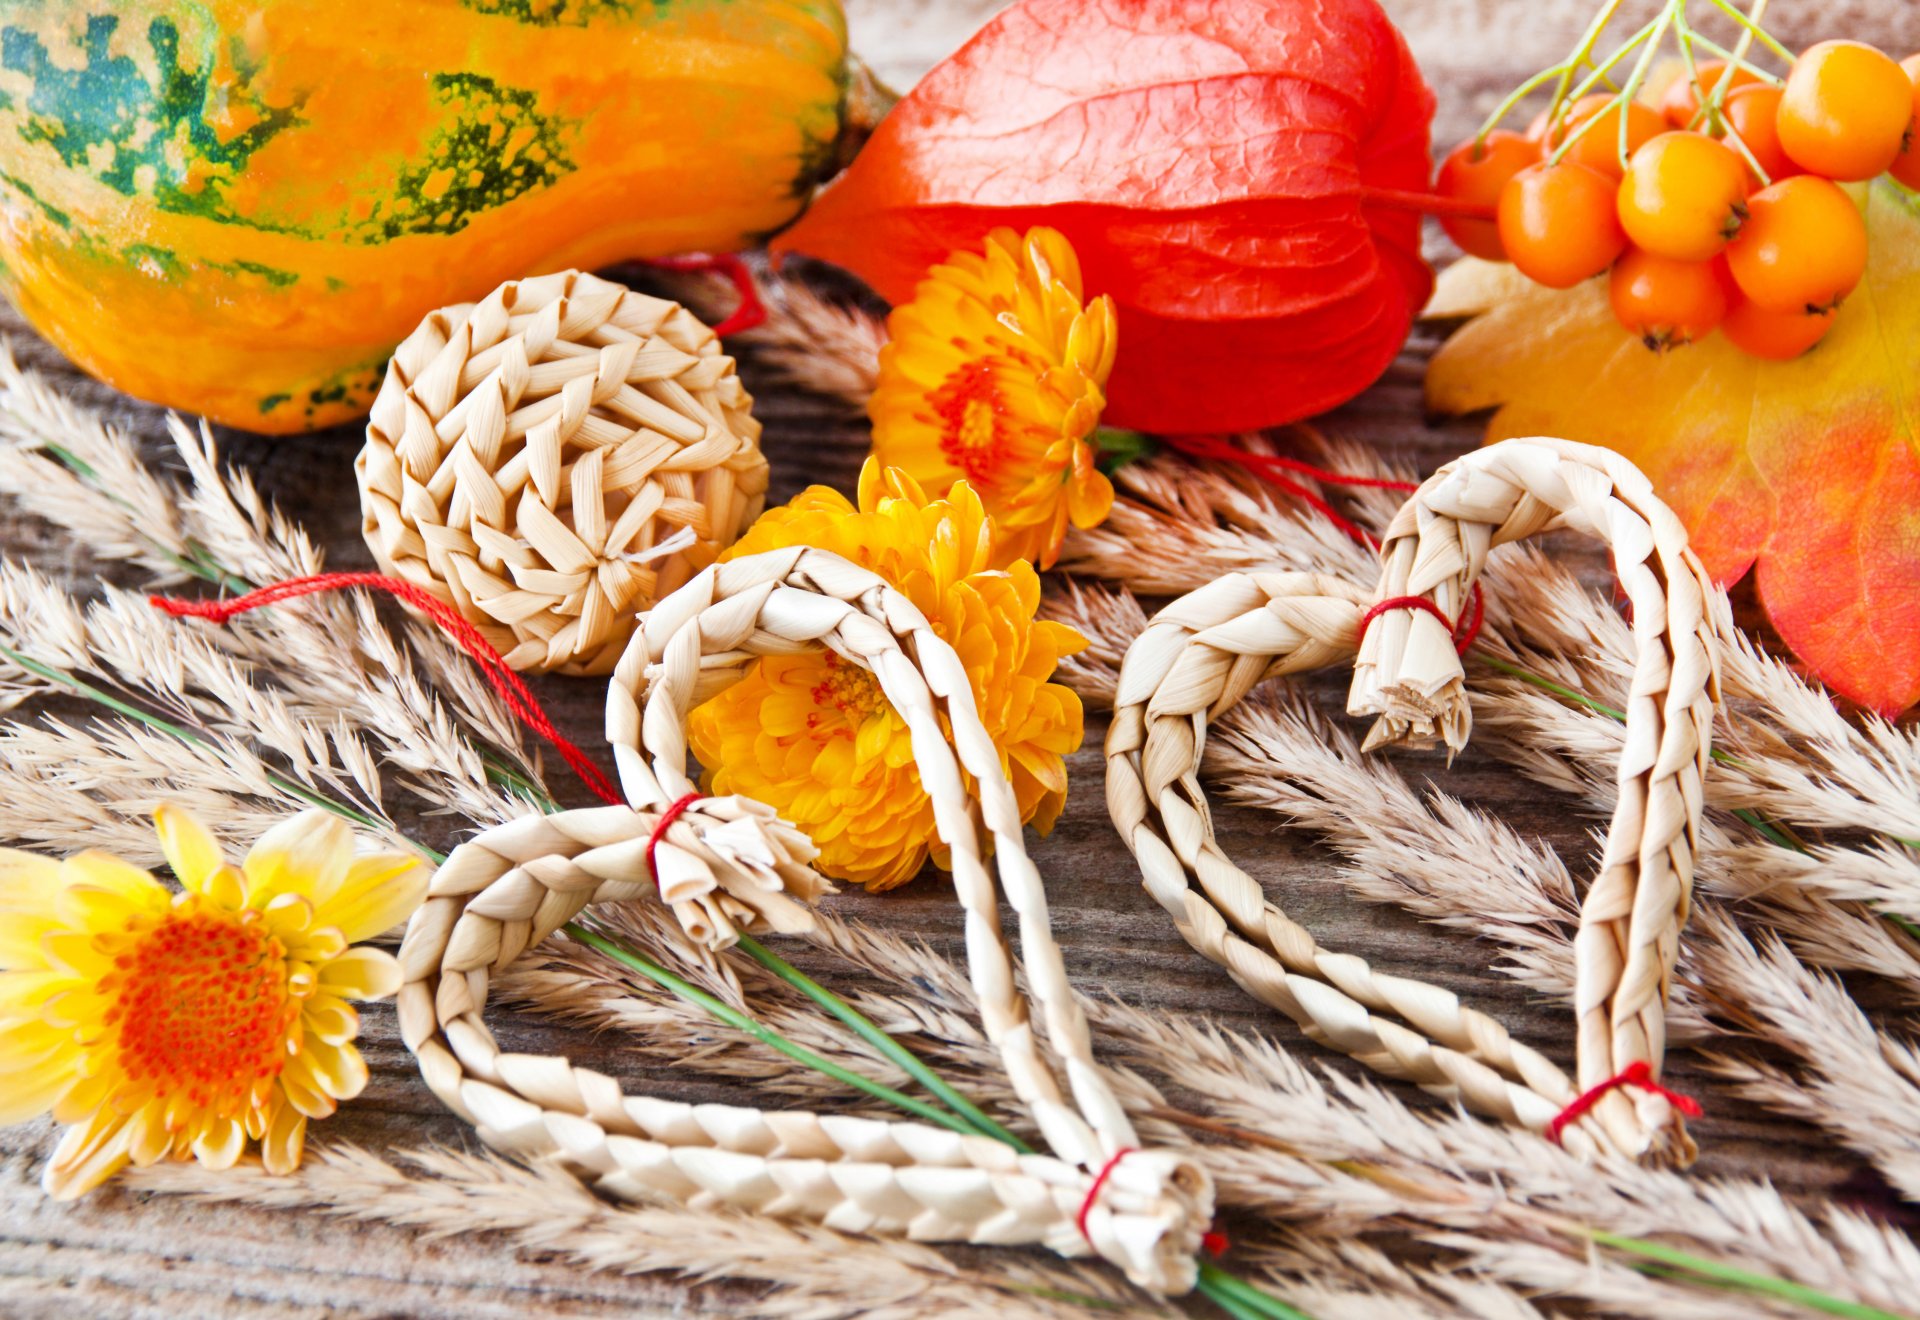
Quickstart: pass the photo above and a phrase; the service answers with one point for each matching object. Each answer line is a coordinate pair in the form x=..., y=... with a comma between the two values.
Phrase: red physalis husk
x=1208, y=160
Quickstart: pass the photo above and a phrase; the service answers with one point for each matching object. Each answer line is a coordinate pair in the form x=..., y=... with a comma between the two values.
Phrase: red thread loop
x=1638, y=1073
x=504, y=681
x=1093, y=1192
x=1463, y=631
x=667, y=817
x=1270, y=467
x=750, y=312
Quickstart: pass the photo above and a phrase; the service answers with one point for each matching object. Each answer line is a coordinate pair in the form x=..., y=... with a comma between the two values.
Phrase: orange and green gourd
x=237, y=209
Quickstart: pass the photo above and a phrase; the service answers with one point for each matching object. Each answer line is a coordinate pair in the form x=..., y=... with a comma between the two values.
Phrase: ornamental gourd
x=239, y=208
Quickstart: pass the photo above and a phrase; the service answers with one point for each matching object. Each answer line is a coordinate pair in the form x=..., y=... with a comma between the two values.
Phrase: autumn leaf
x=1225, y=170
x=1807, y=471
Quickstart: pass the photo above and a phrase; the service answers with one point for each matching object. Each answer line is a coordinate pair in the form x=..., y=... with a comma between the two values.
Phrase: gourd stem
x=867, y=102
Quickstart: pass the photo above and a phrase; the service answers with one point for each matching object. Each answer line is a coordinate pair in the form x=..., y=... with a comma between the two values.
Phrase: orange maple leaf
x=1806, y=471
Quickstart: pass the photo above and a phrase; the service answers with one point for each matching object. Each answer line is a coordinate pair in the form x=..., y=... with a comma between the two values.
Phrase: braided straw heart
x=553, y=458
x=1209, y=649
x=726, y=864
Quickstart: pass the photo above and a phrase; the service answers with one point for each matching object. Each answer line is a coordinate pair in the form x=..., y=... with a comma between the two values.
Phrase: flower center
x=972, y=415
x=851, y=690
x=201, y=1003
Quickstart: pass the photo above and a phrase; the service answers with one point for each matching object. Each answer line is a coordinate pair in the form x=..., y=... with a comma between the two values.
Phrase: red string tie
x=506, y=684
x=750, y=312
x=1639, y=1074
x=667, y=817
x=1280, y=471
x=1214, y=1243
x=1463, y=630
x=1099, y=1182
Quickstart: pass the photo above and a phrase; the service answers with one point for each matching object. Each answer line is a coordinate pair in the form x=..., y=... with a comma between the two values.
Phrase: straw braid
x=1408, y=674
x=727, y=864
x=1206, y=651
x=518, y=882
x=553, y=458
x=704, y=637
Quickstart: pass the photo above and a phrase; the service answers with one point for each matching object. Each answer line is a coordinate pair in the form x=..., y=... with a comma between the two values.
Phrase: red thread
x=1093, y=1192
x=1638, y=1073
x=505, y=682
x=750, y=312
x=1215, y=1243
x=667, y=817
x=1269, y=467
x=1463, y=630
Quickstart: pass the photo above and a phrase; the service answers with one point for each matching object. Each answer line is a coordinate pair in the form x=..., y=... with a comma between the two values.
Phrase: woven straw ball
x=553, y=459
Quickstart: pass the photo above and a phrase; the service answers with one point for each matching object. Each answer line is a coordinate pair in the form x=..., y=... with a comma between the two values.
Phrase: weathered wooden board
x=118, y=1255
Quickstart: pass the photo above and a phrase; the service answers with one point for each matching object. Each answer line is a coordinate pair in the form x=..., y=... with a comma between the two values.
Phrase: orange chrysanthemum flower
x=186, y=1024
x=996, y=374
x=813, y=736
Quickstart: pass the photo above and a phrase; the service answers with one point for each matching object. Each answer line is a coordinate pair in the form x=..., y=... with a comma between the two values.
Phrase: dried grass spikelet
x=556, y=457
x=1206, y=651
x=737, y=865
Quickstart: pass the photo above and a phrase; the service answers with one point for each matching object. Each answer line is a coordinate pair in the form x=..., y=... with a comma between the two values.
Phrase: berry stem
x=1581, y=55
x=1712, y=102
x=1514, y=98
x=1599, y=75
x=1426, y=203
x=1713, y=47
x=1638, y=77
x=1751, y=24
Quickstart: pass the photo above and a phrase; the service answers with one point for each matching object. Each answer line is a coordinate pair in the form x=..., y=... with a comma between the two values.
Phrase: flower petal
x=87, y=1156
x=306, y=855
x=329, y=1018
x=189, y=848
x=361, y=973
x=285, y=1139
x=33, y=1093
x=106, y=871
x=220, y=1143
x=380, y=892
x=338, y=1070
x=28, y=886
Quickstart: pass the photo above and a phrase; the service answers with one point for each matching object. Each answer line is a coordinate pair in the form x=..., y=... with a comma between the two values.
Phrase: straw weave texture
x=1209, y=649
x=726, y=864
x=553, y=459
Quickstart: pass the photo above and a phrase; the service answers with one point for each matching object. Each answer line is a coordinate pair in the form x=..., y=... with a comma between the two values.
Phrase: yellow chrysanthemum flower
x=996, y=374
x=184, y=1024
x=813, y=736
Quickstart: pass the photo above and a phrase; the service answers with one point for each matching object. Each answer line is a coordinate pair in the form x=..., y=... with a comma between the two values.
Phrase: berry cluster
x=1722, y=208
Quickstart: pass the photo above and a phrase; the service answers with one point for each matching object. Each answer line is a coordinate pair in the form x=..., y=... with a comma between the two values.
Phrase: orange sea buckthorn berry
x=1683, y=196
x=1476, y=172
x=1682, y=100
x=1776, y=336
x=1666, y=302
x=1906, y=166
x=1803, y=246
x=1598, y=148
x=1558, y=224
x=1752, y=112
x=1846, y=110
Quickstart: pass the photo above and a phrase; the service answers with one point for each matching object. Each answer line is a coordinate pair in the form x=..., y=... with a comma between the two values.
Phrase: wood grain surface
x=117, y=1255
